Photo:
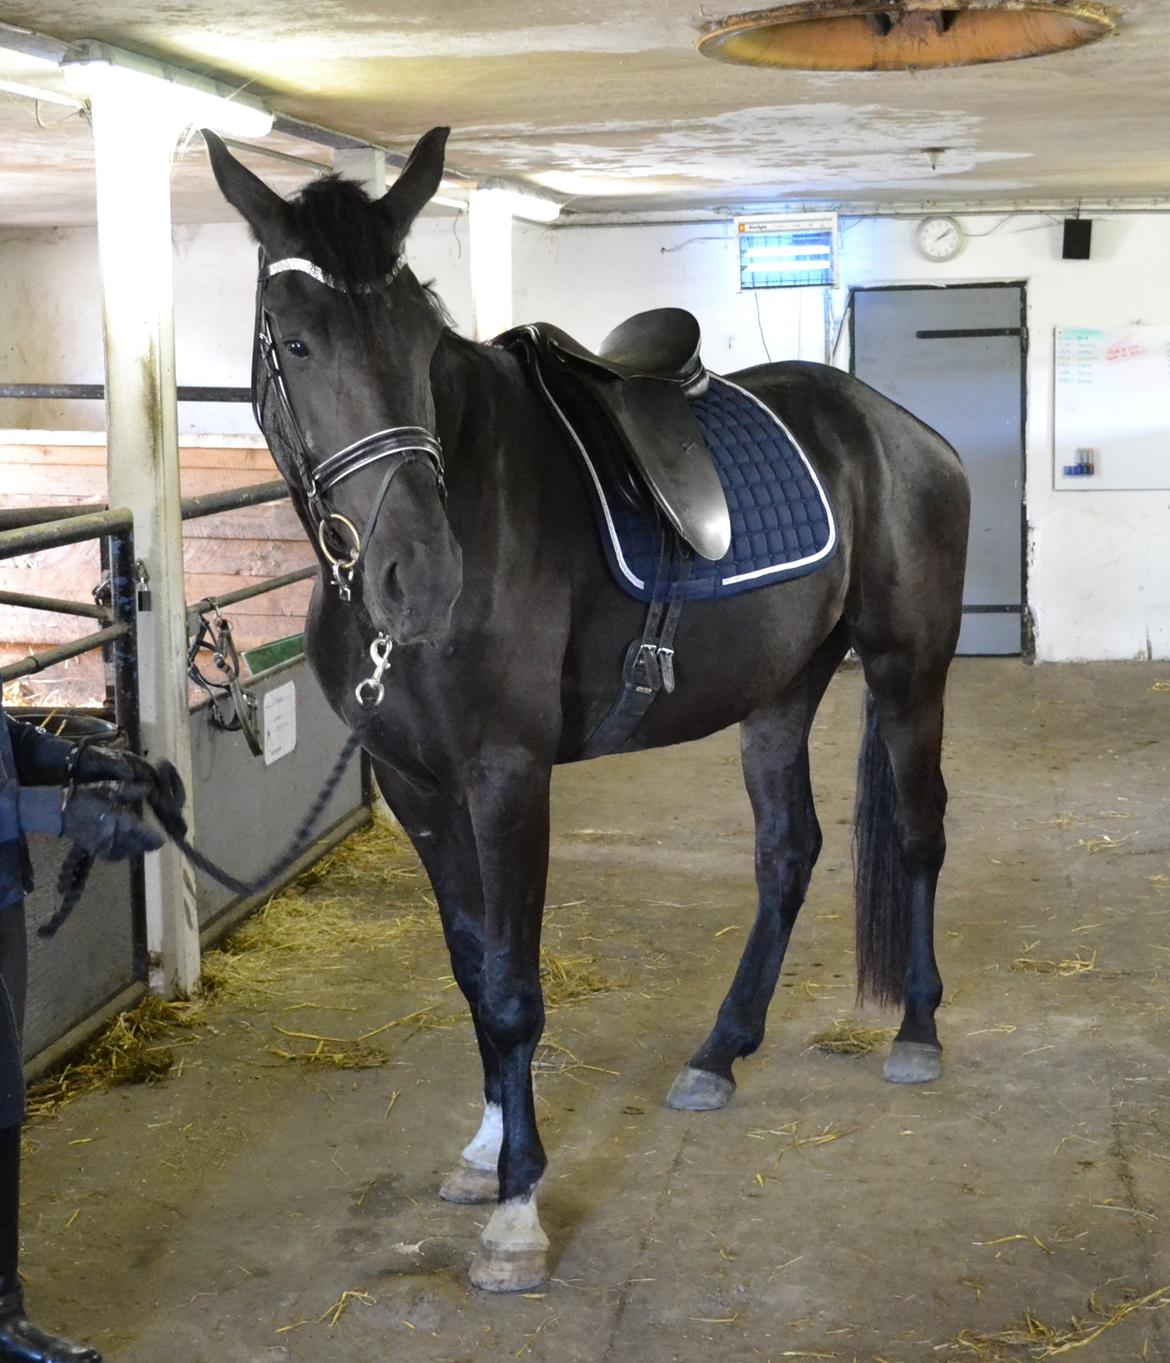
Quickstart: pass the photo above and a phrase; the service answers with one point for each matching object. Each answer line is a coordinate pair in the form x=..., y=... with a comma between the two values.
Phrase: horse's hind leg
x=441, y=832
x=899, y=849
x=774, y=745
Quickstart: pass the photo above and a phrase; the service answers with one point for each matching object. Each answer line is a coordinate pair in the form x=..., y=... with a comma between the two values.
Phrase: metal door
x=954, y=356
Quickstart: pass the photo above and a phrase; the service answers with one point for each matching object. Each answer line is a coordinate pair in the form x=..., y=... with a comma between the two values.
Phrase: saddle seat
x=628, y=408
x=661, y=344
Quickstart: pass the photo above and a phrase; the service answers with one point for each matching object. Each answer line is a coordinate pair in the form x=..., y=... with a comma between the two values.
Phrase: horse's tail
x=881, y=885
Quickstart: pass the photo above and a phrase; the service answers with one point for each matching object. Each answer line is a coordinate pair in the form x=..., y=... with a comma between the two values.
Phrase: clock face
x=939, y=238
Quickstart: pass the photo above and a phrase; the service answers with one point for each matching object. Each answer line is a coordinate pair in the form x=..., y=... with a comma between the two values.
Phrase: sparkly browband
x=303, y=266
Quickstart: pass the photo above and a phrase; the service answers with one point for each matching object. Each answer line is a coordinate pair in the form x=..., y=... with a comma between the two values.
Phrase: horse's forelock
x=342, y=231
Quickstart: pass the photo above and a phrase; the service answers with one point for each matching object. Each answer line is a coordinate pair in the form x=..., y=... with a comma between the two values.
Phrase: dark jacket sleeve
x=40, y=758
x=10, y=826
x=29, y=758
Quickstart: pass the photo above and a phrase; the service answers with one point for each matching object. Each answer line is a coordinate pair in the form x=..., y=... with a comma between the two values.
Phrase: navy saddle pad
x=781, y=523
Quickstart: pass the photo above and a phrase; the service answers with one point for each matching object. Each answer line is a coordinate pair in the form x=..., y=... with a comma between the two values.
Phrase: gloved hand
x=98, y=818
x=168, y=798
x=96, y=763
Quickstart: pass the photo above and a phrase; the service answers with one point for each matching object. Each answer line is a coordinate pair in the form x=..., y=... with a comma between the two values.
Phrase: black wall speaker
x=1078, y=238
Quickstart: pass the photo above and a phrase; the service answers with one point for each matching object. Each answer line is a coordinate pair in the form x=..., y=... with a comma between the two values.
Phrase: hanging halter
x=339, y=539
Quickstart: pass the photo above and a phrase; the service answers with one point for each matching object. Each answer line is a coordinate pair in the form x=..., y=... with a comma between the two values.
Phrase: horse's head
x=342, y=381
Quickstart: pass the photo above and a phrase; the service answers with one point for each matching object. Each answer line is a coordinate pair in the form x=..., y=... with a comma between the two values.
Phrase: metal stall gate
x=246, y=806
x=97, y=964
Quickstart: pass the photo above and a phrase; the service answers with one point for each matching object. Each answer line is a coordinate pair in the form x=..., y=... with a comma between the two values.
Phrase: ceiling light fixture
x=15, y=87
x=904, y=35
x=533, y=207
x=94, y=67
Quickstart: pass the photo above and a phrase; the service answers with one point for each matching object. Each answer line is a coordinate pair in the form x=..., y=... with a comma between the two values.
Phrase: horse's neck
x=479, y=394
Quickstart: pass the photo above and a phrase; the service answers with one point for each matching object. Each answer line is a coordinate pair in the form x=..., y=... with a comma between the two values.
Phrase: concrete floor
x=216, y=1217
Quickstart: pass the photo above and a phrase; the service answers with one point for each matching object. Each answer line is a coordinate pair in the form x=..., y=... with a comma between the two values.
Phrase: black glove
x=168, y=798
x=95, y=763
x=98, y=818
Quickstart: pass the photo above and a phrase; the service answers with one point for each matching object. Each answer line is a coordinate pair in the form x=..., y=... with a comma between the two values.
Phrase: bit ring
x=323, y=525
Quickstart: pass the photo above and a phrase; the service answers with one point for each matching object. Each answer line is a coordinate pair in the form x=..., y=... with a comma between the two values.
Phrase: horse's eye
x=297, y=348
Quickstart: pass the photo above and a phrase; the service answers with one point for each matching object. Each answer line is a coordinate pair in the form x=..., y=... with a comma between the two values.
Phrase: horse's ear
x=418, y=182
x=265, y=212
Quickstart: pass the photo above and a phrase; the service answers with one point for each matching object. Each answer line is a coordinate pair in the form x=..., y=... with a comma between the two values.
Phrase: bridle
x=342, y=543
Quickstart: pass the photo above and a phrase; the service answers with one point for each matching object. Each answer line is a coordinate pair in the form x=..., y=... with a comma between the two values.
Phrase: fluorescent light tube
x=95, y=68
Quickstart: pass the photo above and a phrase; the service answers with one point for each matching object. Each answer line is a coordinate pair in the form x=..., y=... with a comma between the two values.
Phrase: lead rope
x=168, y=809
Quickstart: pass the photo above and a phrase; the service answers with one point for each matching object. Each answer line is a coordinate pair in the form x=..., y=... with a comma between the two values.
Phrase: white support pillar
x=489, y=221
x=133, y=144
x=366, y=165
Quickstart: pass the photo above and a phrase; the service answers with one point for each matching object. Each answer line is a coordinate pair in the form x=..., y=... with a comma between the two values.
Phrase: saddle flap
x=669, y=450
x=647, y=419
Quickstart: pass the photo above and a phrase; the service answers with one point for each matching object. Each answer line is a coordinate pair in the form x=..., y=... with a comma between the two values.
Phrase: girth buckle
x=644, y=671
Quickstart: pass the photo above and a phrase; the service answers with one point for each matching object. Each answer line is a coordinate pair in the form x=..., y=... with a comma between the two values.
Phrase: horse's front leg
x=439, y=826
x=509, y=805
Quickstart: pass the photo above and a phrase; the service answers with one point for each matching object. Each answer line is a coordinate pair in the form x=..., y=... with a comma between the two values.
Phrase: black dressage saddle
x=629, y=408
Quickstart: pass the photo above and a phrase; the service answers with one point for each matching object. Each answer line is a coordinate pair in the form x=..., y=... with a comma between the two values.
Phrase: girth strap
x=649, y=664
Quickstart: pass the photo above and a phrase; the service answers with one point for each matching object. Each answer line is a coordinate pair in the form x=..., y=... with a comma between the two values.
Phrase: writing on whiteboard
x=1112, y=396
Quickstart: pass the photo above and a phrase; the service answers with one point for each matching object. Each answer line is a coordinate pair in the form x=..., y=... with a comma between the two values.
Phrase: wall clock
x=939, y=239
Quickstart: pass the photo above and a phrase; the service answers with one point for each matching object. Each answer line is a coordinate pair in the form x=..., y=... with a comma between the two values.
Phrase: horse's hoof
x=513, y=1249
x=699, y=1091
x=500, y=1270
x=912, y=1062
x=469, y=1185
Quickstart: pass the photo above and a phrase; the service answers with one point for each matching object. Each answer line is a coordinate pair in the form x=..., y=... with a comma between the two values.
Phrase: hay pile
x=848, y=1037
x=1031, y=1338
x=136, y=1048
x=257, y=961
x=565, y=979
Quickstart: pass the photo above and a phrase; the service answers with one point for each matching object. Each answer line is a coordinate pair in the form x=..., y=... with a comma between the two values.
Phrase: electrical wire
x=760, y=324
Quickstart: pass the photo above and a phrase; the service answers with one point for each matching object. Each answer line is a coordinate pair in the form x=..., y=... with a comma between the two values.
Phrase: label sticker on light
x=787, y=251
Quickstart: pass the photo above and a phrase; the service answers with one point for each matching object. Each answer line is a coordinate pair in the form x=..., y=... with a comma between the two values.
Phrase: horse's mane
x=346, y=233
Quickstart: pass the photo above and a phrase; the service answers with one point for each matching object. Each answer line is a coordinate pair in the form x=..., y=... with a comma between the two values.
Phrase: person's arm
x=43, y=760
x=40, y=756
x=25, y=810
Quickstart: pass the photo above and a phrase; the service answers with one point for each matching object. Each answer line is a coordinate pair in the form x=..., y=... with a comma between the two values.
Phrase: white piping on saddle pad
x=830, y=543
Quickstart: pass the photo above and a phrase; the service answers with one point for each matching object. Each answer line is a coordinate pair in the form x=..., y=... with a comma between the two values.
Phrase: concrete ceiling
x=611, y=107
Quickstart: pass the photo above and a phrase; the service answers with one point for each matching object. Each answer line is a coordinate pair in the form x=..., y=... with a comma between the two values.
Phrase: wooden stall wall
x=220, y=553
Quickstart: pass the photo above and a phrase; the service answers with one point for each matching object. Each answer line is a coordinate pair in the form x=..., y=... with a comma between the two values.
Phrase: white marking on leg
x=483, y=1152
x=515, y=1228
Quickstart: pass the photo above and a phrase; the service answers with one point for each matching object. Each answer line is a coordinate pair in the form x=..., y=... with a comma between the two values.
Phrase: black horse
x=446, y=499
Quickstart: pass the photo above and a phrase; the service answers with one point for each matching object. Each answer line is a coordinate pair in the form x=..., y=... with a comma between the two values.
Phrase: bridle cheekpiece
x=341, y=542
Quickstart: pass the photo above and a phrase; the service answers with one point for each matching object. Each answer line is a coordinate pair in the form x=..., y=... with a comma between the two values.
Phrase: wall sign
x=1111, y=419
x=280, y=722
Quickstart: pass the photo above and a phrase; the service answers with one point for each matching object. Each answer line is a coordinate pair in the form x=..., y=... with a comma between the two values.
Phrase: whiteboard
x=1112, y=397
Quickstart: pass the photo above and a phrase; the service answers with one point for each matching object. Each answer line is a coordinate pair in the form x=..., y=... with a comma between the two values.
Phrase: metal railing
x=212, y=504
x=117, y=639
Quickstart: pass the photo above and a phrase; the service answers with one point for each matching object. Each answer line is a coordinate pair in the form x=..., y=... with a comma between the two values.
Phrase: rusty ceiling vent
x=904, y=35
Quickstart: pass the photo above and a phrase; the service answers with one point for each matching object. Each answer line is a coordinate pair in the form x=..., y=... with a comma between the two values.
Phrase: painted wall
x=1099, y=562
x=51, y=326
